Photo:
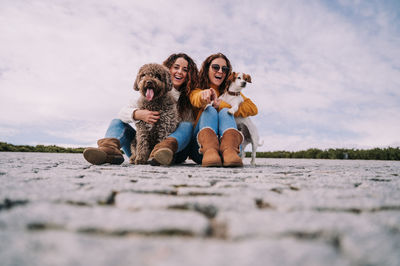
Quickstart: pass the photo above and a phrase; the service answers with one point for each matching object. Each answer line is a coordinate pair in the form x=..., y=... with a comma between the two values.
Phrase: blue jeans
x=217, y=121
x=125, y=134
x=183, y=134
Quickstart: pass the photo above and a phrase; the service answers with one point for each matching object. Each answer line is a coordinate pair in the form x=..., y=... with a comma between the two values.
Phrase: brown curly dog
x=153, y=81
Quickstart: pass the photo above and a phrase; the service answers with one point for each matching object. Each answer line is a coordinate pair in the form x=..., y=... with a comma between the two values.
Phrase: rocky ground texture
x=56, y=209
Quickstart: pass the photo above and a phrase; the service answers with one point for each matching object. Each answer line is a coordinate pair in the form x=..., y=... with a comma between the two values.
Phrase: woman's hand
x=216, y=103
x=208, y=95
x=147, y=116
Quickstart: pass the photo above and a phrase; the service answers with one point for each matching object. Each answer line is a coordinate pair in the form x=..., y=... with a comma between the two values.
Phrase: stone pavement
x=56, y=209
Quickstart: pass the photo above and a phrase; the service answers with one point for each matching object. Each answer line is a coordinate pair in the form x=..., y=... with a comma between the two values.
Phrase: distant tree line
x=38, y=148
x=352, y=154
x=371, y=154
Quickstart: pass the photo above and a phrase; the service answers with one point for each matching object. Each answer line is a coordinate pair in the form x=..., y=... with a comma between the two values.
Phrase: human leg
x=163, y=152
x=207, y=139
x=226, y=121
x=118, y=134
x=181, y=156
x=194, y=150
x=231, y=138
x=183, y=134
x=123, y=132
x=208, y=119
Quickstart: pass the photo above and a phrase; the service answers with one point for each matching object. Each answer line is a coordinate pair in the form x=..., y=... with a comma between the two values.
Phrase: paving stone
x=63, y=248
x=56, y=209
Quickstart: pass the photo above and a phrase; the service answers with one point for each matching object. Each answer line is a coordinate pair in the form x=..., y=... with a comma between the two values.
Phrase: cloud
x=325, y=73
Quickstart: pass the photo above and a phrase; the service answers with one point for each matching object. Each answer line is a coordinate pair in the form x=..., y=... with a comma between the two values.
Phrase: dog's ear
x=230, y=80
x=137, y=80
x=232, y=77
x=247, y=78
x=135, y=85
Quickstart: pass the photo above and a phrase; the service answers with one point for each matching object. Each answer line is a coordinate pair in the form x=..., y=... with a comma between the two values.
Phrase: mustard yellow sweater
x=246, y=108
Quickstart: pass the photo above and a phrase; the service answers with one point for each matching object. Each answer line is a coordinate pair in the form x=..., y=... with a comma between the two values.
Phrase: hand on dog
x=147, y=116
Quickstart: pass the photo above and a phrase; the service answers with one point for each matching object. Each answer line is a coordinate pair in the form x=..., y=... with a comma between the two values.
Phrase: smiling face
x=179, y=71
x=217, y=71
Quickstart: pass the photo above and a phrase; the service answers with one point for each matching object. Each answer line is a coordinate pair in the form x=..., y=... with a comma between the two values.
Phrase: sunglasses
x=216, y=68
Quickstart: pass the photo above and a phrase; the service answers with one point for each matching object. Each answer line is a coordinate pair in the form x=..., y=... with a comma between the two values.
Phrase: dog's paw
x=132, y=159
x=231, y=111
x=140, y=161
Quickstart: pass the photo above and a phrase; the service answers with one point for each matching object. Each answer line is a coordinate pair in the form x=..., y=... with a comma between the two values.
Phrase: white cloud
x=8, y=131
x=318, y=68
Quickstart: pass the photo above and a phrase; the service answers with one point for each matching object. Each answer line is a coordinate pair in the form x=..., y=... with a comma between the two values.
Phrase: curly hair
x=190, y=82
x=204, y=82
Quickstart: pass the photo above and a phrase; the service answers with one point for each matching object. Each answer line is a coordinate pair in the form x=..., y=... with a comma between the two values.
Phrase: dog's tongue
x=149, y=94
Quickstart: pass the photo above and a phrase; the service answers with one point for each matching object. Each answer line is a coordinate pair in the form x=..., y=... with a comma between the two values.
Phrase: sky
x=326, y=74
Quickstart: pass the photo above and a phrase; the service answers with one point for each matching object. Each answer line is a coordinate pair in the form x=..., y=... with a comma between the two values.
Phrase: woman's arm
x=222, y=105
x=246, y=108
x=126, y=112
x=196, y=98
x=130, y=113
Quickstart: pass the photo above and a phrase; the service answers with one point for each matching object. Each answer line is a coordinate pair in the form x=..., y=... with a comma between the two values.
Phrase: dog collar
x=234, y=93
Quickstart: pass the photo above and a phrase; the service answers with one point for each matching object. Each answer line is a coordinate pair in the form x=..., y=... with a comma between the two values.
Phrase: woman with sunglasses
x=184, y=75
x=213, y=119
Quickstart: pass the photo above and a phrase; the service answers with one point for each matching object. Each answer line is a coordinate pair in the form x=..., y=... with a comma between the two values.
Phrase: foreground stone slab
x=56, y=209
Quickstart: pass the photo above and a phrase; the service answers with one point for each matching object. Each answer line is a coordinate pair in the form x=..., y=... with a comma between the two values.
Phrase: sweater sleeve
x=246, y=108
x=195, y=99
x=223, y=105
x=126, y=112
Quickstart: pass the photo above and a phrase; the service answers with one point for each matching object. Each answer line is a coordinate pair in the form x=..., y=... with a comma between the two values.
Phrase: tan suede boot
x=230, y=147
x=107, y=152
x=209, y=146
x=163, y=152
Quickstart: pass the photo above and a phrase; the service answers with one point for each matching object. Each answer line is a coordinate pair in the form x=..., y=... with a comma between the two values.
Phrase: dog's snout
x=149, y=83
x=243, y=84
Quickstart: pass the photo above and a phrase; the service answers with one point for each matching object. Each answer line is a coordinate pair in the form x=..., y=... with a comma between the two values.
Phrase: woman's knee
x=116, y=122
x=209, y=118
x=224, y=113
x=210, y=111
x=121, y=130
x=226, y=121
x=224, y=110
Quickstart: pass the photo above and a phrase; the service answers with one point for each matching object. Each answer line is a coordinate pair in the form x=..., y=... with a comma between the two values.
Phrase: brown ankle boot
x=209, y=146
x=230, y=147
x=107, y=152
x=163, y=152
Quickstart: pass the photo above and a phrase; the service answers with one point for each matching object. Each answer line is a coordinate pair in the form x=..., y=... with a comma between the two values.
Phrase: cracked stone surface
x=56, y=209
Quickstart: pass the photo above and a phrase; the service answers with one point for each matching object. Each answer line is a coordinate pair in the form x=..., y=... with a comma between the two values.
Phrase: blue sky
x=326, y=74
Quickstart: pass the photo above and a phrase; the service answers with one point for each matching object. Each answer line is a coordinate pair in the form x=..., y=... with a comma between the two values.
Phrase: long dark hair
x=204, y=82
x=190, y=82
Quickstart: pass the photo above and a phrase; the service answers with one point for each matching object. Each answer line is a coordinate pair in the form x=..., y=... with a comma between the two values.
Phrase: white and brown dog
x=244, y=124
